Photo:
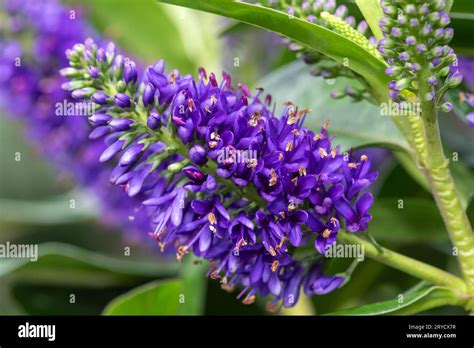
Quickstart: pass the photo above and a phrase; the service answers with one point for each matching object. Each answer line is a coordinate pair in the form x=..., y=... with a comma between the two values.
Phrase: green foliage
x=63, y=264
x=49, y=211
x=150, y=31
x=420, y=298
x=62, y=270
x=372, y=14
x=156, y=298
x=354, y=124
x=310, y=35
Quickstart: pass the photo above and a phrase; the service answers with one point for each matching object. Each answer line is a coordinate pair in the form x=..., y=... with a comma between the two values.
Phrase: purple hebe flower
x=225, y=178
x=32, y=93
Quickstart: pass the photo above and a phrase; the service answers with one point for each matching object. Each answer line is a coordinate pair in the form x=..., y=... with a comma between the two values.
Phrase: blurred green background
x=83, y=268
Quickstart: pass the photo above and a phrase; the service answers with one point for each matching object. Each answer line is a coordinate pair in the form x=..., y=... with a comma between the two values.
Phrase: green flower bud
x=443, y=72
x=121, y=86
x=446, y=107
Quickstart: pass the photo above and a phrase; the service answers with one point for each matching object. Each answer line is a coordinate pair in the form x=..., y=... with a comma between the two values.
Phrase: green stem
x=438, y=175
x=405, y=264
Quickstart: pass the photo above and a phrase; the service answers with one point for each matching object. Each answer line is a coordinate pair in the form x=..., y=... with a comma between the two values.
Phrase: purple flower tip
x=154, y=120
x=122, y=100
x=470, y=119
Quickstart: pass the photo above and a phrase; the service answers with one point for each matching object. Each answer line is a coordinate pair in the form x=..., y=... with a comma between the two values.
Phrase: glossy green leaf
x=63, y=264
x=421, y=298
x=308, y=34
x=372, y=13
x=150, y=32
x=193, y=277
x=182, y=296
x=354, y=124
x=156, y=298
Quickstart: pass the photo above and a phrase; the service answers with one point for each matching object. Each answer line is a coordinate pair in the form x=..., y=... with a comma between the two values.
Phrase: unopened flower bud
x=130, y=72
x=410, y=40
x=121, y=124
x=154, y=120
x=122, y=100
x=131, y=155
x=454, y=80
x=148, y=94
x=198, y=155
x=100, y=98
x=83, y=93
x=402, y=84
x=93, y=72
x=99, y=119
x=446, y=107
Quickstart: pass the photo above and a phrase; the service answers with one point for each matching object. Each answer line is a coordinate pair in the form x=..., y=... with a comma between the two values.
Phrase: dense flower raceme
x=416, y=47
x=224, y=177
x=33, y=37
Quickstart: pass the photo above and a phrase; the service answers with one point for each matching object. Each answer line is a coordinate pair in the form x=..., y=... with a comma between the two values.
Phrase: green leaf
x=354, y=124
x=151, y=32
x=449, y=4
x=418, y=299
x=372, y=13
x=183, y=296
x=193, y=276
x=156, y=298
x=66, y=265
x=51, y=211
x=417, y=221
x=308, y=34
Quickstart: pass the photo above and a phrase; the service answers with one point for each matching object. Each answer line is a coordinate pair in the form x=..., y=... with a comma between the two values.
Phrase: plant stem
x=436, y=169
x=405, y=264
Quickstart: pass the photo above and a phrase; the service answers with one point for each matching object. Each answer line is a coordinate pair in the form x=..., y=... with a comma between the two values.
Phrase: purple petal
x=111, y=151
x=364, y=203
x=257, y=270
x=344, y=208
x=201, y=207
x=205, y=238
x=325, y=284
x=177, y=208
x=295, y=236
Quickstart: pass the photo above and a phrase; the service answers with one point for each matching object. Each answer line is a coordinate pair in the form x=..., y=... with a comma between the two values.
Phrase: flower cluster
x=174, y=139
x=328, y=14
x=33, y=38
x=416, y=47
